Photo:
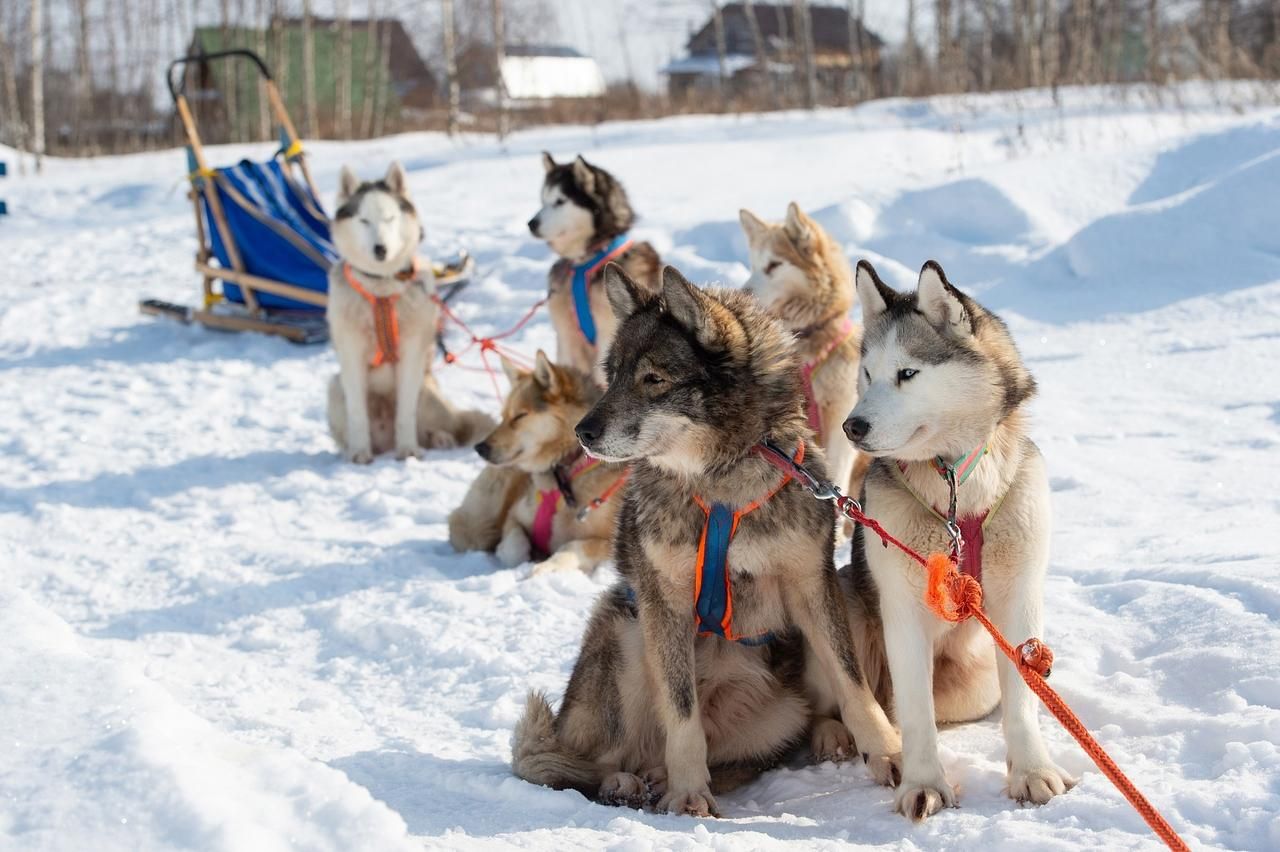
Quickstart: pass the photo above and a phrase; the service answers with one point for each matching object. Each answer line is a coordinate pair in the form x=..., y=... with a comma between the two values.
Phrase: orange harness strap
x=386, y=321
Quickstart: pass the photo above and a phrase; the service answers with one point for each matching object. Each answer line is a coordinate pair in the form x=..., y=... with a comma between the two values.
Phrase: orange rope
x=954, y=596
x=488, y=344
x=1033, y=661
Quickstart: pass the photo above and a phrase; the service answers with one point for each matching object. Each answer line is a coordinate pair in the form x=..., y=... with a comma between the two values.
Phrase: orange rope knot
x=487, y=344
x=1036, y=656
x=950, y=595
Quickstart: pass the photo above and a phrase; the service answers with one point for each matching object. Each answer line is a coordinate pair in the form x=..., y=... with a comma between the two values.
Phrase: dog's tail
x=538, y=756
x=471, y=427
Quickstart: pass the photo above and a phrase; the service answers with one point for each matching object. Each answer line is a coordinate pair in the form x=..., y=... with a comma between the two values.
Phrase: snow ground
x=216, y=635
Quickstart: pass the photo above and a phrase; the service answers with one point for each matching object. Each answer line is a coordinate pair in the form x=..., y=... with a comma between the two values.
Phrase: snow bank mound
x=137, y=771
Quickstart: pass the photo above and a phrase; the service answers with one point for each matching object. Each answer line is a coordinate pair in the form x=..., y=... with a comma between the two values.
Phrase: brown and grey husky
x=941, y=399
x=693, y=670
x=557, y=505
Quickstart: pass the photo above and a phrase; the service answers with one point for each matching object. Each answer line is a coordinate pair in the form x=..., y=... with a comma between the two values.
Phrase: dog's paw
x=513, y=551
x=624, y=789
x=656, y=780
x=916, y=800
x=439, y=439
x=885, y=769
x=1038, y=784
x=555, y=564
x=359, y=455
x=831, y=740
x=411, y=452
x=698, y=803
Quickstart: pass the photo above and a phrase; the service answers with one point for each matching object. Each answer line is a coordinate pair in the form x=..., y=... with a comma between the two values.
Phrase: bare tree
x=451, y=65
x=804, y=38
x=1081, y=40
x=261, y=23
x=943, y=27
x=381, y=86
x=342, y=70
x=988, y=34
x=909, y=64
x=1052, y=53
x=37, y=85
x=371, y=57
x=499, y=53
x=722, y=77
x=308, y=73
x=762, y=53
x=84, y=79
x=1154, y=47
x=12, y=129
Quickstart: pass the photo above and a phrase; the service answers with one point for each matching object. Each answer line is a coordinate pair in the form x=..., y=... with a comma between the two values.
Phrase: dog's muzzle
x=856, y=429
x=533, y=226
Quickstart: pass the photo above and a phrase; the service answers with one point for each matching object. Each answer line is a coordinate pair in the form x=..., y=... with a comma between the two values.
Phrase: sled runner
x=263, y=244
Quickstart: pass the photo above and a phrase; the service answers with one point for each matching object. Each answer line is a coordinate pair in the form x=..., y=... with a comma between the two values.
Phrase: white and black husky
x=382, y=321
x=940, y=398
x=585, y=217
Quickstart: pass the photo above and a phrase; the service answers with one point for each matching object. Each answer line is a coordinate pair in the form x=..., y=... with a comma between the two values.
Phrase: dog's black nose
x=533, y=226
x=856, y=428
x=380, y=252
x=484, y=450
x=588, y=430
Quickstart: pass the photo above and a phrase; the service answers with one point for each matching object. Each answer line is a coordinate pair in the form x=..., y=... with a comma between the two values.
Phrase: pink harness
x=548, y=502
x=810, y=367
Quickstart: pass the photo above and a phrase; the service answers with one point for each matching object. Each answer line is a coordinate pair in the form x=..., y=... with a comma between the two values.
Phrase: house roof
x=777, y=27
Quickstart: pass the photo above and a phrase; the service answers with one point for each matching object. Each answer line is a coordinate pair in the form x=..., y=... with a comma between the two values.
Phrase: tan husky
x=382, y=320
x=561, y=513
x=802, y=277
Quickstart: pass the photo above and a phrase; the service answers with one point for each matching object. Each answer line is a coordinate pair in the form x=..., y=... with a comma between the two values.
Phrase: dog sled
x=263, y=243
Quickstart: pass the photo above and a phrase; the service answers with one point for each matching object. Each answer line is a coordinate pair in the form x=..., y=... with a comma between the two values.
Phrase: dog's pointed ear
x=625, y=295
x=940, y=302
x=348, y=183
x=798, y=227
x=545, y=373
x=583, y=175
x=548, y=162
x=682, y=300
x=396, y=179
x=752, y=225
x=873, y=294
x=513, y=371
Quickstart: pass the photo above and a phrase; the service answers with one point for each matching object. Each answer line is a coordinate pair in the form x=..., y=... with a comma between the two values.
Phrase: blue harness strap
x=581, y=284
x=713, y=604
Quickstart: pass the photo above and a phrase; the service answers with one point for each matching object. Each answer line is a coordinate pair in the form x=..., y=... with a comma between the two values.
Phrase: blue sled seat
x=279, y=229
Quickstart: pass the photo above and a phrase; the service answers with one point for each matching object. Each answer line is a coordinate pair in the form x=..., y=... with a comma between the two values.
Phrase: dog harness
x=847, y=330
x=712, y=579
x=549, y=501
x=581, y=278
x=971, y=527
x=386, y=321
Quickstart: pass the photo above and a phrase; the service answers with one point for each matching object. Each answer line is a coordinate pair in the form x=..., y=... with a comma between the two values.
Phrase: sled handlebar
x=177, y=87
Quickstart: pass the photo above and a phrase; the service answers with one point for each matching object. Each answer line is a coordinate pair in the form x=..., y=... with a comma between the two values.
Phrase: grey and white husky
x=941, y=393
x=693, y=671
x=382, y=321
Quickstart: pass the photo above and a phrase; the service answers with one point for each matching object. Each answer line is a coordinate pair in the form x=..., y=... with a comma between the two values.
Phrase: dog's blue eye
x=904, y=375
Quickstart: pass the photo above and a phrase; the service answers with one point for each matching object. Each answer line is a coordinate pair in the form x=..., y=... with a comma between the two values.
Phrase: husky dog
x=584, y=218
x=801, y=276
x=563, y=512
x=383, y=324
x=940, y=398
x=677, y=683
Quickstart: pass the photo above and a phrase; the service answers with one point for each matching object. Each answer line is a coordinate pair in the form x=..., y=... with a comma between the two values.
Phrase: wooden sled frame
x=202, y=187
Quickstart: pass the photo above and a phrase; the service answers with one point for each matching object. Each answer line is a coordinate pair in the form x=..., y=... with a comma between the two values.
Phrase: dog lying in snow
x=801, y=276
x=584, y=218
x=382, y=321
x=558, y=503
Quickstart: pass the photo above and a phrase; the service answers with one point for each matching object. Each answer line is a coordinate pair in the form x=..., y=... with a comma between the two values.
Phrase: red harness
x=807, y=370
x=386, y=321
